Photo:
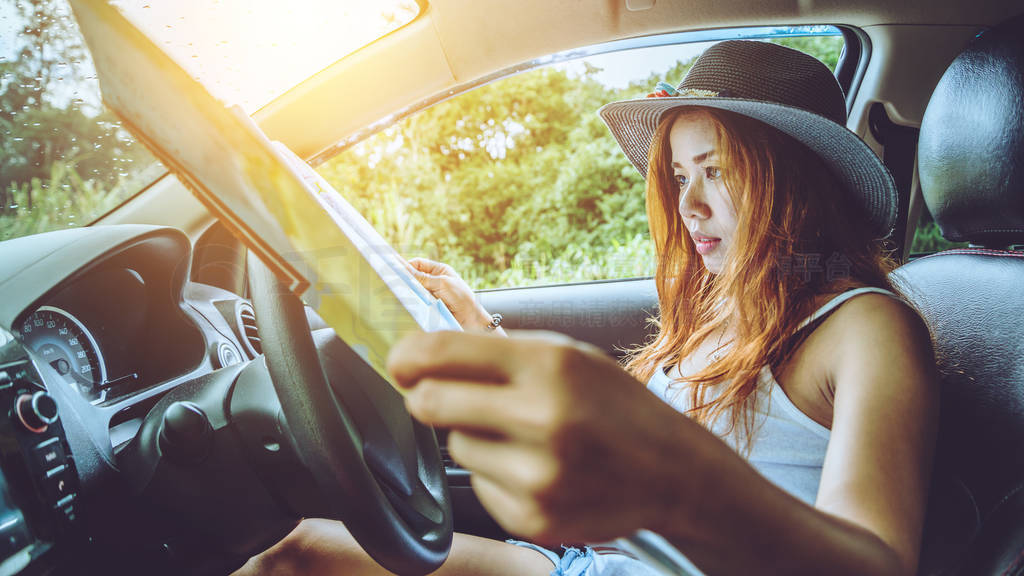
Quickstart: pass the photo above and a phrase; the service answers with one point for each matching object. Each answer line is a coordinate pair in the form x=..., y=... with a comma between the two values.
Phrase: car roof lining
x=452, y=43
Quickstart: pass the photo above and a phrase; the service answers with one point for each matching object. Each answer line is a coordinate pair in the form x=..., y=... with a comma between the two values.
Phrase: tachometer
x=61, y=341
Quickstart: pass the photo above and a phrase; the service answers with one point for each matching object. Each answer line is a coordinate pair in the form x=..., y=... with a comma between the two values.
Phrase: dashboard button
x=55, y=470
x=66, y=516
x=65, y=501
x=59, y=486
x=49, y=454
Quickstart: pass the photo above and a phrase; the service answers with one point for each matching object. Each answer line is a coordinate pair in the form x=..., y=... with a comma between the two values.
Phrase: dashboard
x=96, y=326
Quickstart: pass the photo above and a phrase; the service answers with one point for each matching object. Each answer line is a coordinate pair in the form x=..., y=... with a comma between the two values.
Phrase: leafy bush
x=62, y=200
x=513, y=183
x=928, y=239
x=64, y=160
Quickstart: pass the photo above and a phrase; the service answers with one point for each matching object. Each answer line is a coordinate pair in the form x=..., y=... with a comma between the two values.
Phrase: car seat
x=971, y=166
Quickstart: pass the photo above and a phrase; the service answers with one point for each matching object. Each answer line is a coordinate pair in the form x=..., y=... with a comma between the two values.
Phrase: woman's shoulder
x=879, y=330
x=850, y=329
x=875, y=312
x=872, y=345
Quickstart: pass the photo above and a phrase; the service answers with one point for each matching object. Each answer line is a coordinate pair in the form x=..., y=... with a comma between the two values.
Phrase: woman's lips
x=705, y=244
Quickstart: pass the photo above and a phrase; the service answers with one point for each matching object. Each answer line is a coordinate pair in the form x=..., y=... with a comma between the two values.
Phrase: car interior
x=185, y=449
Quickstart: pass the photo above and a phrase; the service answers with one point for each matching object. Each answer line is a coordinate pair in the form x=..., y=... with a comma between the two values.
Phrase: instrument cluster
x=62, y=341
x=101, y=335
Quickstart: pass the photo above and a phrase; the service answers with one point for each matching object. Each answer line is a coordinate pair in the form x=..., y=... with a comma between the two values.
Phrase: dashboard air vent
x=247, y=329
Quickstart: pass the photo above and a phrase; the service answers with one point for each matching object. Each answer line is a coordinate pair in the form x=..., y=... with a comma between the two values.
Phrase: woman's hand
x=563, y=444
x=444, y=283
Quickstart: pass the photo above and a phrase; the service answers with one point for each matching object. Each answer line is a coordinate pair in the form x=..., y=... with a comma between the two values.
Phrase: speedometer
x=60, y=340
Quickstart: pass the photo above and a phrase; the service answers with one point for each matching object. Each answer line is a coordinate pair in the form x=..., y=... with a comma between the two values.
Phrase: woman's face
x=705, y=205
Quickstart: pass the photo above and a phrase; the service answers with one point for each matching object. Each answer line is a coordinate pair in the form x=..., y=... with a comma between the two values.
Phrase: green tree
x=928, y=238
x=500, y=180
x=59, y=149
x=826, y=48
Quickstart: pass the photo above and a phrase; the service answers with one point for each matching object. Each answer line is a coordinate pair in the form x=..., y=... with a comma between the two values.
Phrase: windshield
x=65, y=160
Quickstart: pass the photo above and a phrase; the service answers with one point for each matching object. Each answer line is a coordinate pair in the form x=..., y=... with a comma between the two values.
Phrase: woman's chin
x=713, y=264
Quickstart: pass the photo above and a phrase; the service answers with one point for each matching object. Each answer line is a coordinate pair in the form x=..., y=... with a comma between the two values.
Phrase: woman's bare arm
x=885, y=419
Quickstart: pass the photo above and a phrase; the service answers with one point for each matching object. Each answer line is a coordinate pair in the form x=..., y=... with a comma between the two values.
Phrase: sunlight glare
x=248, y=52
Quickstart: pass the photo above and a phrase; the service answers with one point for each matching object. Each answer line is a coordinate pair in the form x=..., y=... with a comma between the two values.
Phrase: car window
x=518, y=182
x=928, y=239
x=65, y=160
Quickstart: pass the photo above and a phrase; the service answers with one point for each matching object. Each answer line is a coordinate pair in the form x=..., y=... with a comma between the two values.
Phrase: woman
x=809, y=386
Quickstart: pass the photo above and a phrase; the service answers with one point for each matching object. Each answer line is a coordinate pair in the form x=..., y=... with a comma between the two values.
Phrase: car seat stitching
x=976, y=251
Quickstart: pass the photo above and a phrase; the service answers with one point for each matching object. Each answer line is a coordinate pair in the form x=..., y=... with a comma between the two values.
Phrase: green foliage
x=515, y=183
x=61, y=200
x=824, y=48
x=63, y=160
x=928, y=239
x=512, y=183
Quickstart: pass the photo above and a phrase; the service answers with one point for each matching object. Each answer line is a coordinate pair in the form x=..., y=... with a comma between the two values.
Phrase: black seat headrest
x=971, y=148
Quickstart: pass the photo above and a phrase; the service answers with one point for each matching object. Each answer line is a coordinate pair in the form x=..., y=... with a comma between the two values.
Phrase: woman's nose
x=692, y=202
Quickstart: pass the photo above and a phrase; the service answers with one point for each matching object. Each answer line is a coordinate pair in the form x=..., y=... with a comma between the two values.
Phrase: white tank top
x=788, y=447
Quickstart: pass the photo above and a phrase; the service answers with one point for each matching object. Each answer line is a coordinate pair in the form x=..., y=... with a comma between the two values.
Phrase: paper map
x=283, y=211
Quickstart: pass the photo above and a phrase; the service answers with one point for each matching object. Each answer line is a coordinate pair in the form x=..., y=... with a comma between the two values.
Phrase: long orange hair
x=798, y=236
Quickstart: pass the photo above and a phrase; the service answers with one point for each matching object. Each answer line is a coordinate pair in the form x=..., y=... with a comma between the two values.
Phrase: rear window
x=928, y=238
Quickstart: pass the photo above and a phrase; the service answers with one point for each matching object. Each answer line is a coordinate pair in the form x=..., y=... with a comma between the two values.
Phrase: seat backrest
x=971, y=166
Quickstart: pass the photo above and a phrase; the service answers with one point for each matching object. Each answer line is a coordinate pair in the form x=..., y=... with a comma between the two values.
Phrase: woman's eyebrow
x=697, y=159
x=703, y=156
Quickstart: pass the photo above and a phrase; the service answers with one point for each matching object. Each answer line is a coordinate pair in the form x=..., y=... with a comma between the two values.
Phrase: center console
x=39, y=497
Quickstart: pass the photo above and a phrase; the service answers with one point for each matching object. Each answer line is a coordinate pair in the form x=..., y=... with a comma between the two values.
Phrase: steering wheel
x=380, y=471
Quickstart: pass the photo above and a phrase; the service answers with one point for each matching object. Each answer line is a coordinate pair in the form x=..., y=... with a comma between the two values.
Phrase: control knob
x=36, y=411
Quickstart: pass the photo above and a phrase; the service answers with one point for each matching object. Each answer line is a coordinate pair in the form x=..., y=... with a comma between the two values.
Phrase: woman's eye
x=713, y=172
x=682, y=180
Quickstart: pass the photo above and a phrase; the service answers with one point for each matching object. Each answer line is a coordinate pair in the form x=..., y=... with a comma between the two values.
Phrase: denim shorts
x=574, y=562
